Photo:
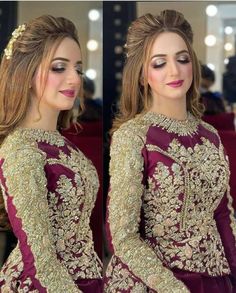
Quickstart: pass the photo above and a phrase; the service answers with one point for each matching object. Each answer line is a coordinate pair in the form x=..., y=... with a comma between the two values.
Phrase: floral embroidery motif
x=72, y=200
x=125, y=201
x=176, y=198
x=11, y=271
x=118, y=279
x=179, y=207
x=73, y=236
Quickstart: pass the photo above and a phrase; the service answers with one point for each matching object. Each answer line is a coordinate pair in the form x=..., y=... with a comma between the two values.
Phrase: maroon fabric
x=88, y=139
x=222, y=121
x=23, y=273
x=198, y=283
x=229, y=141
x=223, y=222
x=91, y=286
x=27, y=255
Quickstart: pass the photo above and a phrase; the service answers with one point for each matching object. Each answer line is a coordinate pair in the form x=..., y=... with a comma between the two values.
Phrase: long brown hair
x=136, y=95
x=36, y=45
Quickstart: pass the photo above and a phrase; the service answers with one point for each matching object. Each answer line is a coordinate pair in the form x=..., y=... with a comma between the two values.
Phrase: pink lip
x=68, y=93
x=175, y=83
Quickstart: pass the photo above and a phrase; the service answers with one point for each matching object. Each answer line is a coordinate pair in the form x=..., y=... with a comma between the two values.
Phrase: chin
x=66, y=107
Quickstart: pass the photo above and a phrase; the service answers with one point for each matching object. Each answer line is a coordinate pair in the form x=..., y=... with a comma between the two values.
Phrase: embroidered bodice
x=169, y=179
x=49, y=189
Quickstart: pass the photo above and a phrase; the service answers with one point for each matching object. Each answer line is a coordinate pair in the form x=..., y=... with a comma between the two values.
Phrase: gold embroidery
x=23, y=169
x=187, y=127
x=27, y=178
x=119, y=279
x=11, y=270
x=209, y=127
x=179, y=206
x=75, y=238
x=126, y=169
x=232, y=218
x=40, y=135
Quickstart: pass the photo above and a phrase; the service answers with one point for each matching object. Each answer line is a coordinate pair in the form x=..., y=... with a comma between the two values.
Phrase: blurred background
x=87, y=17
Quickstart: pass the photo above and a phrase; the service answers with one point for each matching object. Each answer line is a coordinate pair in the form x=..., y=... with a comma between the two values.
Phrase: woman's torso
x=72, y=185
x=185, y=176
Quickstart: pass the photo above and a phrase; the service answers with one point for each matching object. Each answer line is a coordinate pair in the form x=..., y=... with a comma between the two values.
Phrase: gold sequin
x=55, y=222
x=126, y=166
x=186, y=127
x=201, y=175
x=178, y=202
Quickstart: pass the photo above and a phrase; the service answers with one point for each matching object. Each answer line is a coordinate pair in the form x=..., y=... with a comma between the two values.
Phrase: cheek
x=53, y=81
x=154, y=76
x=189, y=71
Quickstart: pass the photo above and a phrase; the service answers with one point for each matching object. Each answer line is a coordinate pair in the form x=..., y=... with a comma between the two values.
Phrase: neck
x=173, y=108
x=46, y=121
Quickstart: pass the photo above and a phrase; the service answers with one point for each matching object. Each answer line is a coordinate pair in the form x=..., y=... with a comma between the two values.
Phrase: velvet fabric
x=200, y=283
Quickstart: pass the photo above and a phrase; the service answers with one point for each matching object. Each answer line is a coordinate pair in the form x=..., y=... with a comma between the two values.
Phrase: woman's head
x=28, y=62
x=142, y=34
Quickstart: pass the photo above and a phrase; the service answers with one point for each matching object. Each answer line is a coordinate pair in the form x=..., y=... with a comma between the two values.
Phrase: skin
x=64, y=74
x=169, y=61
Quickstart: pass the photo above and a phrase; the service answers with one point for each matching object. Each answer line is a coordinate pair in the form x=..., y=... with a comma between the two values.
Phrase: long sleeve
x=224, y=217
x=24, y=188
x=125, y=200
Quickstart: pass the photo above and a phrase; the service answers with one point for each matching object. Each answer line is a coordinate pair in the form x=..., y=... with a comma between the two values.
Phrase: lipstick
x=175, y=83
x=68, y=93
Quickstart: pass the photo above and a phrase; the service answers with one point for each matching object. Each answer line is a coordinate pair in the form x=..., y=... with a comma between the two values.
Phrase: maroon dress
x=170, y=219
x=49, y=188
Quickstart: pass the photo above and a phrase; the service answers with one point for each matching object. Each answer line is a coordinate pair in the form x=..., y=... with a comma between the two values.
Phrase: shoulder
x=209, y=127
x=17, y=149
x=129, y=139
x=135, y=128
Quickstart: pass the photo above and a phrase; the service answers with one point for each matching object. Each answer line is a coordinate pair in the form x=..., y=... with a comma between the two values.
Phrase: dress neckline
x=52, y=137
x=187, y=127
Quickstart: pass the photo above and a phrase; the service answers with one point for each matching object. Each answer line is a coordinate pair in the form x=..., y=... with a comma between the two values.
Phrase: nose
x=73, y=77
x=173, y=68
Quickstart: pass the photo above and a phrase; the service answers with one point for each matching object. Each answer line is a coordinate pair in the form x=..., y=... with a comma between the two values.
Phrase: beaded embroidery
x=185, y=182
x=171, y=125
x=64, y=249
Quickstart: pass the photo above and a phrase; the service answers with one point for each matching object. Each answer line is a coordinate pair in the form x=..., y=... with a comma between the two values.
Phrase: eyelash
x=61, y=69
x=162, y=64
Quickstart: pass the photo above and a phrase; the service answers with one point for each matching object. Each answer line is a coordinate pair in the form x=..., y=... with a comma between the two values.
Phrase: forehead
x=168, y=43
x=69, y=49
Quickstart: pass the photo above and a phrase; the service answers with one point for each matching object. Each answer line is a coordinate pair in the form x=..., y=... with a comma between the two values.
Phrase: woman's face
x=169, y=72
x=64, y=78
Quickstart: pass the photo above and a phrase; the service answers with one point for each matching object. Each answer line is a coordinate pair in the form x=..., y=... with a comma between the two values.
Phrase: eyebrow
x=65, y=59
x=164, y=55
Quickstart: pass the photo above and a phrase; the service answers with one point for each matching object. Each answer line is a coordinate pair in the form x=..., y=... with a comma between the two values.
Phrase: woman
x=169, y=215
x=49, y=187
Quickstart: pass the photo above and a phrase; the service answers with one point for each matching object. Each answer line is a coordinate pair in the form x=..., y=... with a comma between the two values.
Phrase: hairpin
x=17, y=32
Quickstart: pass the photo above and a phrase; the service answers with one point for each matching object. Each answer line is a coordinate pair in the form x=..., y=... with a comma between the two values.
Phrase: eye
x=183, y=59
x=59, y=67
x=79, y=69
x=158, y=63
